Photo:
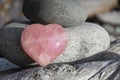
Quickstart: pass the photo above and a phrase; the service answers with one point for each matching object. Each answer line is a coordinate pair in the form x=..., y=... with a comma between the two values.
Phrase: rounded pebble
x=64, y=12
x=10, y=45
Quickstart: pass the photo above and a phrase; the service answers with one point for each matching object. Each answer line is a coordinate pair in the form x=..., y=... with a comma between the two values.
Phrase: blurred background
x=11, y=10
x=103, y=12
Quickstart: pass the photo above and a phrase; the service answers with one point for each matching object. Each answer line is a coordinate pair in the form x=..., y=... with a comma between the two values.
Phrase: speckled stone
x=84, y=41
x=64, y=12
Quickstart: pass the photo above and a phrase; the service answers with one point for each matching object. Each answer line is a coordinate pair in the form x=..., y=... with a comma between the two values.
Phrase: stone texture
x=64, y=12
x=84, y=41
x=98, y=70
x=11, y=10
x=10, y=45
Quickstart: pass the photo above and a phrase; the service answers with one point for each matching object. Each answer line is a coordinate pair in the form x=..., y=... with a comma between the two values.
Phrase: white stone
x=84, y=41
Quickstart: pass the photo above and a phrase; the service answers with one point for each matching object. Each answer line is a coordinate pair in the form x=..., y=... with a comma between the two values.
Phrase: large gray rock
x=10, y=45
x=98, y=70
x=84, y=41
x=65, y=12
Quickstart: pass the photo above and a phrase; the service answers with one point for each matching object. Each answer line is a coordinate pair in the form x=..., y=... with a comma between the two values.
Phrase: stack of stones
x=84, y=39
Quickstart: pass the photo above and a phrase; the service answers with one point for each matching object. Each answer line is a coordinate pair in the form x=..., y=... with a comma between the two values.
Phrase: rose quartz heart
x=43, y=43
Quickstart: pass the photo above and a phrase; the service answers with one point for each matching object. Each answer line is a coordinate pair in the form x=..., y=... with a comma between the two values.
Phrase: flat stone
x=97, y=70
x=64, y=12
x=84, y=41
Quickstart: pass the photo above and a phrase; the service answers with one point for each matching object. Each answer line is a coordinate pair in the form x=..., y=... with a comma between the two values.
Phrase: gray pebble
x=98, y=70
x=10, y=45
x=84, y=41
x=64, y=12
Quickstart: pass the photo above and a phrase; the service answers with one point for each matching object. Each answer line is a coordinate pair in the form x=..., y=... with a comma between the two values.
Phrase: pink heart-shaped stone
x=43, y=43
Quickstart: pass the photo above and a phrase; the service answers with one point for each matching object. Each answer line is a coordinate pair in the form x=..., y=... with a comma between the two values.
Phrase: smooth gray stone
x=98, y=70
x=5, y=64
x=64, y=12
x=84, y=41
x=10, y=45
